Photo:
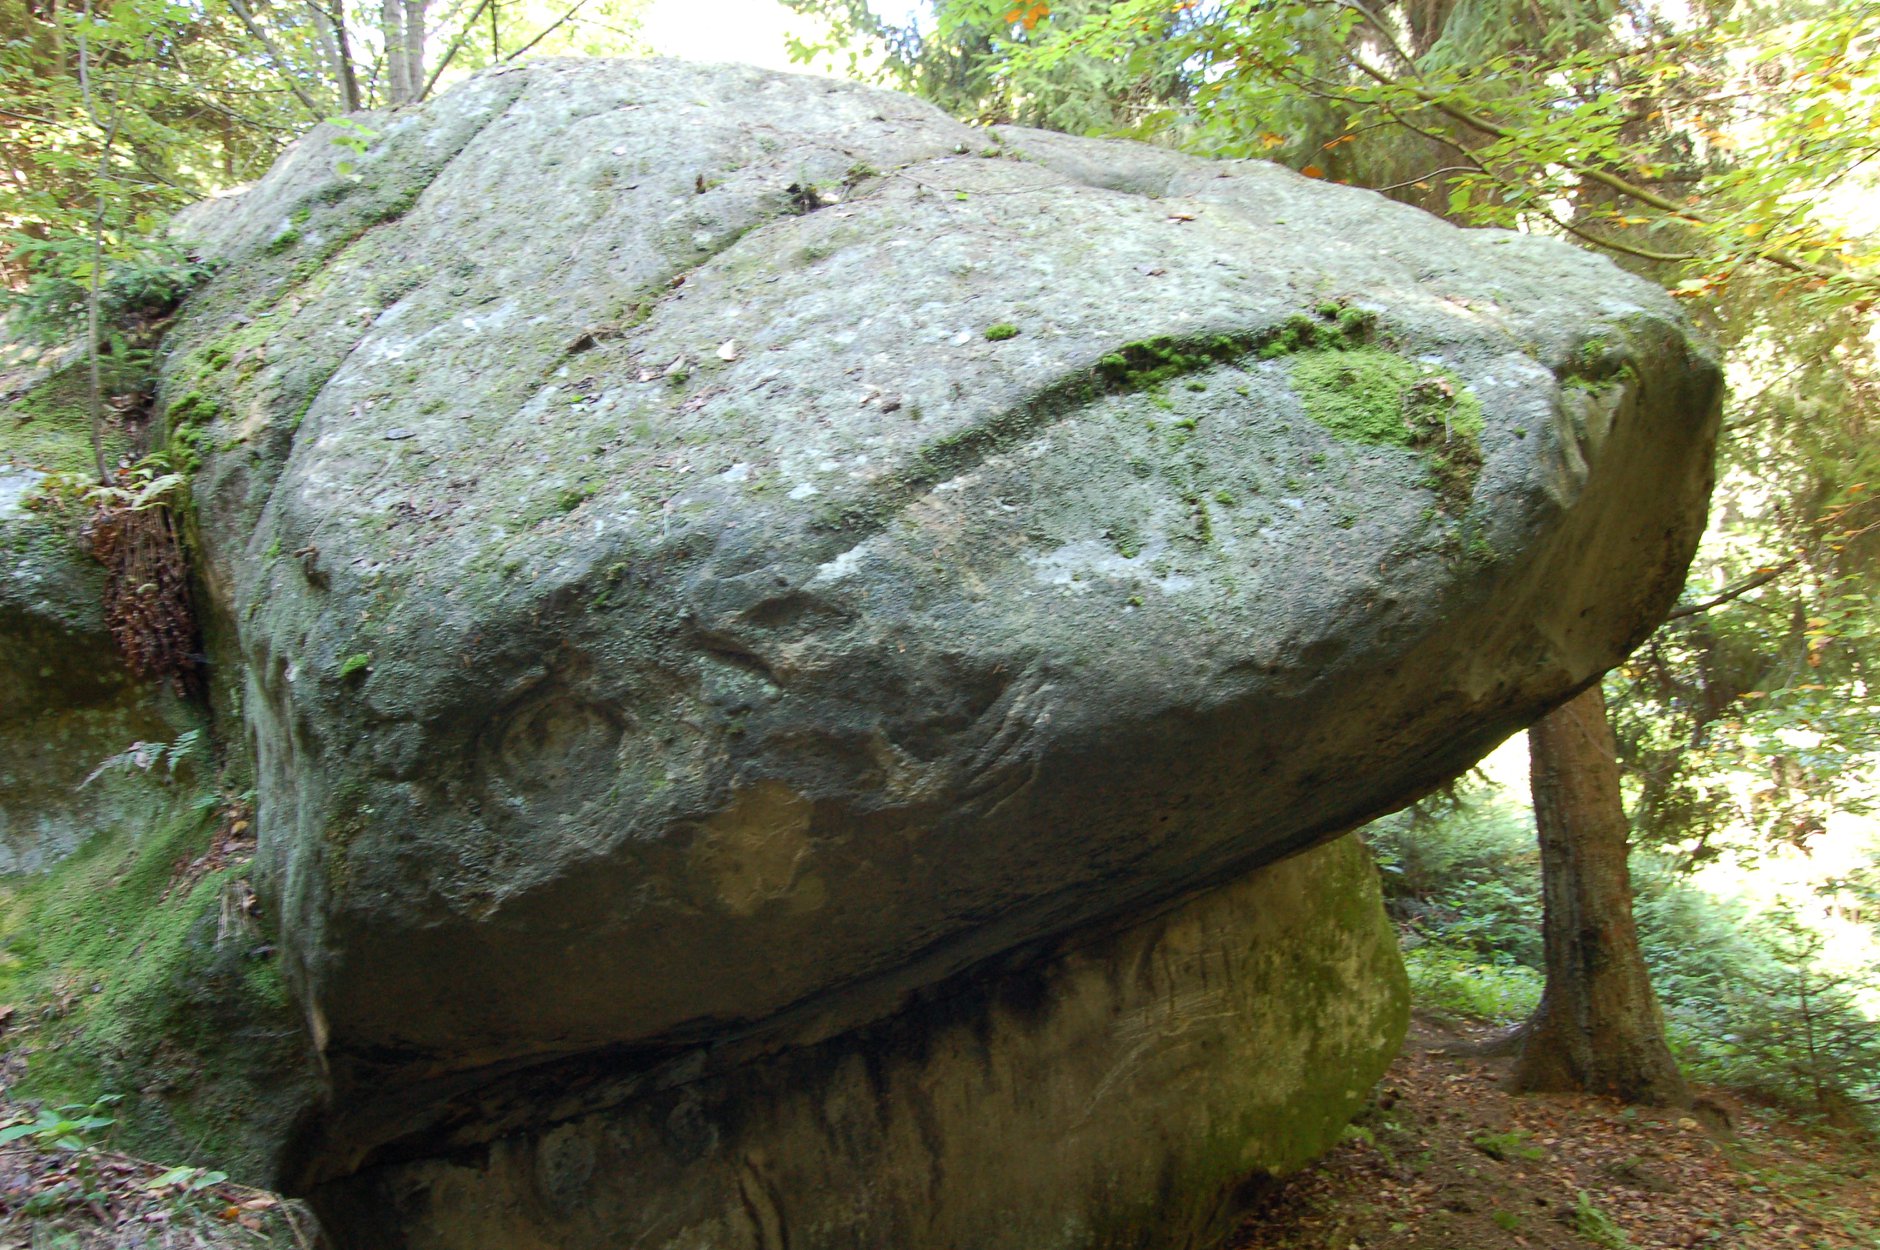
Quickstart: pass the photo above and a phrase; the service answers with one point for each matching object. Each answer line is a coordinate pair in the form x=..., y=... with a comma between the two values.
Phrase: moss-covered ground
x=137, y=967
x=49, y=427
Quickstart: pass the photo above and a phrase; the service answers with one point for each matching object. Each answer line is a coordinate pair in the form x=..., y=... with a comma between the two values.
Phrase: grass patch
x=1449, y=982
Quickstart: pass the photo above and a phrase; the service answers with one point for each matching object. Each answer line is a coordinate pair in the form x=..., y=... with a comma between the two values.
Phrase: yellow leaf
x=1269, y=140
x=1313, y=171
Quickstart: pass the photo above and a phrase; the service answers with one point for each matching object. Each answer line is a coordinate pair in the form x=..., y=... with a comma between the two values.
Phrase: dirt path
x=1445, y=1160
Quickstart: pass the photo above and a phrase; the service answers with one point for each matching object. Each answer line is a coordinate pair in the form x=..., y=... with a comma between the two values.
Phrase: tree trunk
x=1598, y=1028
x=402, y=22
x=331, y=25
x=414, y=46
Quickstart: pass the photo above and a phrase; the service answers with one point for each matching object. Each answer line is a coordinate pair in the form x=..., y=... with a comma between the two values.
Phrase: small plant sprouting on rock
x=806, y=197
x=1000, y=332
x=355, y=663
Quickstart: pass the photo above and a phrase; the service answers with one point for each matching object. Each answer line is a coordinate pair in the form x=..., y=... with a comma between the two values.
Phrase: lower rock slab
x=1120, y=1093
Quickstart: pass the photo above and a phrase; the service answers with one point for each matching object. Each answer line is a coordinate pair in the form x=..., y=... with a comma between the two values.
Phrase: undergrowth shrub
x=1450, y=982
x=1464, y=876
x=1749, y=999
x=143, y=280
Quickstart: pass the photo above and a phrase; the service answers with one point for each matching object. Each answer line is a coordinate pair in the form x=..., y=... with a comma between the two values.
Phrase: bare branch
x=456, y=46
x=1761, y=578
x=282, y=65
x=1434, y=173
x=547, y=31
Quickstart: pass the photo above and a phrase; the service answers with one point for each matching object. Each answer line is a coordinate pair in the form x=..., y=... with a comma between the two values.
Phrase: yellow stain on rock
x=751, y=851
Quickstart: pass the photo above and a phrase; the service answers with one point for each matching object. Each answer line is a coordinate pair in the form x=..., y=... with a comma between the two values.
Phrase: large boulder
x=715, y=554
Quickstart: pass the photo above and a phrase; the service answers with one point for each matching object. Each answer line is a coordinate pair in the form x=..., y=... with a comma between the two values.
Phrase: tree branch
x=1737, y=591
x=456, y=46
x=547, y=31
x=1614, y=245
x=1631, y=190
x=281, y=63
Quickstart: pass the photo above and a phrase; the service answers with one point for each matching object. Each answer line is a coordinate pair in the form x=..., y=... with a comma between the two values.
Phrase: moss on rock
x=1375, y=396
x=49, y=427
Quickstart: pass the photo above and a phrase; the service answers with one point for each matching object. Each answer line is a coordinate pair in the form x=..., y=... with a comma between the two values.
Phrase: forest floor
x=1446, y=1159
x=59, y=1195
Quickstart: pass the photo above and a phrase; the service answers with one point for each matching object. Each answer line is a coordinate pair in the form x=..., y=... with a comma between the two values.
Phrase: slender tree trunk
x=392, y=27
x=414, y=46
x=331, y=25
x=403, y=24
x=1598, y=1028
x=58, y=41
x=101, y=181
x=350, y=96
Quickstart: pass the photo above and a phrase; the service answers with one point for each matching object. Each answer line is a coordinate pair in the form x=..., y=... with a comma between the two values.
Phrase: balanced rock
x=719, y=560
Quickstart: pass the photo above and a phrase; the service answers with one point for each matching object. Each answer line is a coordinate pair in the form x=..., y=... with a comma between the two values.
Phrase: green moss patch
x=49, y=428
x=138, y=968
x=1150, y=363
x=1361, y=391
x=1370, y=395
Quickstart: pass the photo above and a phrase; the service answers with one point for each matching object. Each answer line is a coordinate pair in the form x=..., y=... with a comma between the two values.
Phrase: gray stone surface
x=1116, y=1092
x=66, y=701
x=669, y=616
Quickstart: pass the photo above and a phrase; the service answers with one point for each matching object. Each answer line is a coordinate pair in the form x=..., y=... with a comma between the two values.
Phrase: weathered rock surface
x=1109, y=1092
x=66, y=701
x=716, y=553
